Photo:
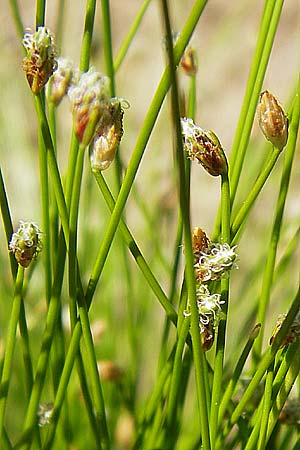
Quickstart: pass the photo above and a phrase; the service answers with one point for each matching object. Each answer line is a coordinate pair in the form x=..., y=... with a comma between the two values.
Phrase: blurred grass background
x=224, y=39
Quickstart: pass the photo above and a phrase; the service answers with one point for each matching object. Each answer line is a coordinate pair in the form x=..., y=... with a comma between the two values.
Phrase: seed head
x=293, y=333
x=40, y=62
x=44, y=414
x=108, y=135
x=188, y=62
x=89, y=97
x=209, y=306
x=205, y=147
x=215, y=263
x=290, y=415
x=207, y=335
x=272, y=120
x=200, y=242
x=109, y=371
x=26, y=243
x=60, y=80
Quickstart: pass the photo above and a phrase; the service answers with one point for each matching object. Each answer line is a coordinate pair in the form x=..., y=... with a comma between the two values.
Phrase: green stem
x=267, y=30
x=7, y=222
x=87, y=35
x=267, y=359
x=220, y=347
x=40, y=13
x=252, y=196
x=107, y=45
x=45, y=215
x=237, y=372
x=94, y=376
x=48, y=335
x=73, y=224
x=17, y=17
x=171, y=412
x=139, y=150
x=266, y=407
x=129, y=38
x=10, y=346
x=283, y=381
x=199, y=360
x=136, y=253
x=272, y=248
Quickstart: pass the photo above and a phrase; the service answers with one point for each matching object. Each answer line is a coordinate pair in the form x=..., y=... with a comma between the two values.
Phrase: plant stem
x=199, y=360
x=220, y=347
x=139, y=150
x=10, y=346
x=253, y=194
x=275, y=234
x=129, y=38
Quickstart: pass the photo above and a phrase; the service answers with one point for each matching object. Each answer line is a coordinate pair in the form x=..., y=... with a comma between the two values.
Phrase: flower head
x=272, y=120
x=60, y=80
x=89, y=98
x=40, y=62
x=44, y=414
x=293, y=332
x=205, y=147
x=26, y=243
x=215, y=262
x=290, y=415
x=200, y=242
x=188, y=62
x=108, y=135
x=209, y=306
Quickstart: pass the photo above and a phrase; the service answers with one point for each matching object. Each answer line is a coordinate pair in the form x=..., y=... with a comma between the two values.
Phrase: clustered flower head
x=293, y=332
x=205, y=147
x=26, y=243
x=44, y=414
x=188, y=62
x=60, y=81
x=108, y=135
x=290, y=414
x=97, y=117
x=212, y=262
x=40, y=61
x=89, y=96
x=215, y=262
x=272, y=120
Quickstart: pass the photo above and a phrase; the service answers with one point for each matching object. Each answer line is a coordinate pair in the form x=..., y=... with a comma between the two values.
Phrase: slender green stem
x=139, y=149
x=237, y=372
x=107, y=45
x=130, y=36
x=220, y=347
x=283, y=381
x=42, y=364
x=136, y=253
x=91, y=364
x=7, y=222
x=45, y=215
x=267, y=30
x=10, y=346
x=73, y=235
x=17, y=17
x=40, y=13
x=171, y=413
x=199, y=359
x=53, y=168
x=267, y=359
x=266, y=408
x=87, y=35
x=271, y=257
x=253, y=194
